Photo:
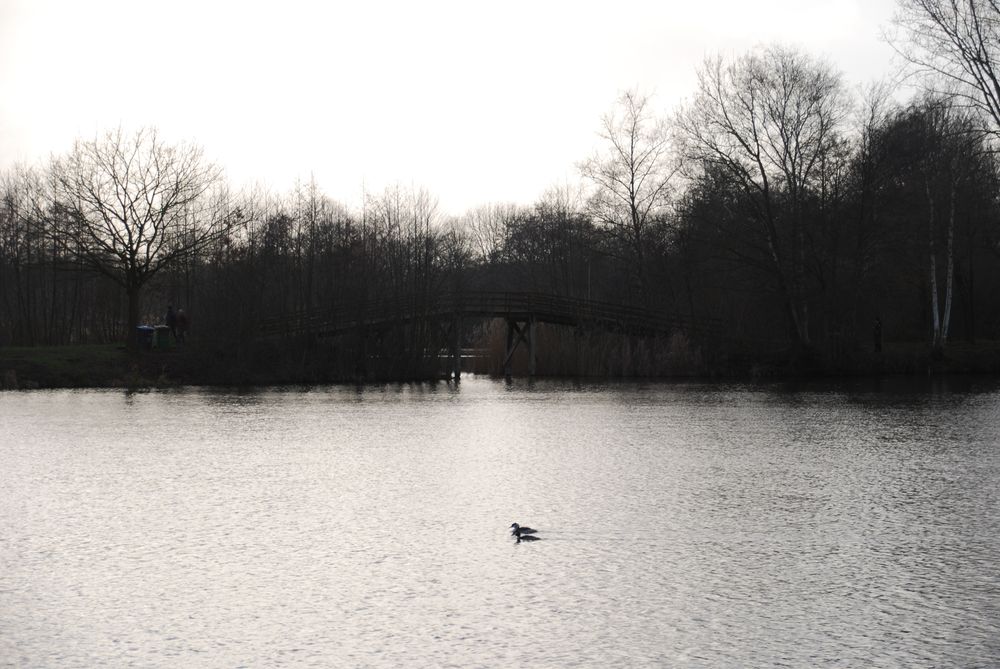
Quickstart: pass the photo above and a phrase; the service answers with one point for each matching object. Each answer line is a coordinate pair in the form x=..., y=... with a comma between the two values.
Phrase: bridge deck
x=539, y=307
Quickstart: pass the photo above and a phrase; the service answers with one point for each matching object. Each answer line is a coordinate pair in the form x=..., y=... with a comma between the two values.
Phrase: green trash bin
x=161, y=338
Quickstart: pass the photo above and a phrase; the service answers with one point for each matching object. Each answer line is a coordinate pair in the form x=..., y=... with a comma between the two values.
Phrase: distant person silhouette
x=171, y=321
x=877, y=334
x=182, y=326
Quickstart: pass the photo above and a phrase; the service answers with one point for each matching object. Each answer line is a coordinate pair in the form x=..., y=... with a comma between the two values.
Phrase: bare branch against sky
x=477, y=102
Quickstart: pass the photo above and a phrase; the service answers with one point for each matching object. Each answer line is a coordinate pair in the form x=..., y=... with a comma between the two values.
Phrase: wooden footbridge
x=521, y=311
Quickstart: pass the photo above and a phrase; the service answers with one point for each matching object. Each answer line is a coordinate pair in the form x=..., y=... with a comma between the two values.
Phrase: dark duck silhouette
x=523, y=532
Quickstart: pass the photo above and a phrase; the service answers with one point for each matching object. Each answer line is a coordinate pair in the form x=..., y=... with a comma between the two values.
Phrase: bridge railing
x=480, y=304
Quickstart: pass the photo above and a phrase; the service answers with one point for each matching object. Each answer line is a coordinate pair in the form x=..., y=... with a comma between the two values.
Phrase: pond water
x=681, y=525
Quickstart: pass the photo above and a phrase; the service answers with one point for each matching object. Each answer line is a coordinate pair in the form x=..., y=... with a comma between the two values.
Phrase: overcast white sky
x=476, y=101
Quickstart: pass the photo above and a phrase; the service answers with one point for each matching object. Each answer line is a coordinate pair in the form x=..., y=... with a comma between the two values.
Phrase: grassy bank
x=101, y=366
x=109, y=366
x=200, y=363
x=63, y=366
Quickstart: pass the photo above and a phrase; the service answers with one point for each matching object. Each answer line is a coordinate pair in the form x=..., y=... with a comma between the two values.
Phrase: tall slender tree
x=632, y=175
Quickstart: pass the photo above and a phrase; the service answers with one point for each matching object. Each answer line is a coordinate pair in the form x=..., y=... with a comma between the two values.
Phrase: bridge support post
x=531, y=346
x=456, y=348
x=517, y=333
x=509, y=352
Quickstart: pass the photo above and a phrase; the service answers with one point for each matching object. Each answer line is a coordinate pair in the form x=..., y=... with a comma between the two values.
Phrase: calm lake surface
x=683, y=525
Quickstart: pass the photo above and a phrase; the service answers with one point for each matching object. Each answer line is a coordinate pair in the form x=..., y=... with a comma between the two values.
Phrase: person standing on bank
x=182, y=326
x=171, y=321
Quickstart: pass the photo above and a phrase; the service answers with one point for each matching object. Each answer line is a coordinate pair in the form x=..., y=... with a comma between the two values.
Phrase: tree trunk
x=635, y=239
x=935, y=310
x=970, y=326
x=949, y=279
x=799, y=275
x=131, y=328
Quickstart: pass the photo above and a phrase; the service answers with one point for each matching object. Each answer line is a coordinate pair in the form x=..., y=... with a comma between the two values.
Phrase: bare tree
x=958, y=43
x=631, y=174
x=134, y=205
x=23, y=221
x=404, y=223
x=489, y=227
x=948, y=154
x=769, y=120
x=870, y=177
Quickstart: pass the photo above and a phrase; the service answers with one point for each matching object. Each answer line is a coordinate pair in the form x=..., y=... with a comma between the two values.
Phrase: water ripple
x=682, y=525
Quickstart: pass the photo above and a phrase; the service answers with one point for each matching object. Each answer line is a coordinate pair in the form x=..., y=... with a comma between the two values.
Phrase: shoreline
x=109, y=366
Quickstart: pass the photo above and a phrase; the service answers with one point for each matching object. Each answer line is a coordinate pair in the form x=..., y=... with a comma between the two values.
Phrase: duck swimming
x=517, y=530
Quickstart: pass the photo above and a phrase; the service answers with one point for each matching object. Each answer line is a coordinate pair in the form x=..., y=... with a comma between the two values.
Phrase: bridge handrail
x=483, y=303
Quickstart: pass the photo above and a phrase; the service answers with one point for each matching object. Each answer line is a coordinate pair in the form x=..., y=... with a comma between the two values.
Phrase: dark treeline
x=778, y=206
